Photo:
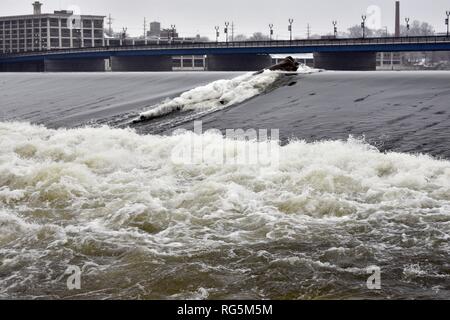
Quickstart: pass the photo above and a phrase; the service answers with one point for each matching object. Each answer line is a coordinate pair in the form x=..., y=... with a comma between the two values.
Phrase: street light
x=407, y=26
x=226, y=30
x=363, y=24
x=335, y=28
x=172, y=26
x=270, y=31
x=447, y=21
x=291, y=21
x=217, y=33
x=124, y=35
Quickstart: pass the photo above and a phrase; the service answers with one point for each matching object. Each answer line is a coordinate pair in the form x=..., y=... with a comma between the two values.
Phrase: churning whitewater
x=140, y=225
x=222, y=93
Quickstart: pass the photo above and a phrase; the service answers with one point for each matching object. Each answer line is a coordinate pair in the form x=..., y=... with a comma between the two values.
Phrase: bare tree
x=240, y=37
x=356, y=32
x=417, y=29
x=259, y=36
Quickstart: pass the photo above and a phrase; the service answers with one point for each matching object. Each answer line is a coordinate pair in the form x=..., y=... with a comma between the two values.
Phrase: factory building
x=389, y=60
x=46, y=31
x=156, y=32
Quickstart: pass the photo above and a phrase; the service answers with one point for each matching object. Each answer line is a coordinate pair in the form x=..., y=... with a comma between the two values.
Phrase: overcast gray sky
x=200, y=16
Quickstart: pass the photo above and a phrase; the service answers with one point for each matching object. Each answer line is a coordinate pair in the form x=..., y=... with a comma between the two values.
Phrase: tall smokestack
x=37, y=7
x=397, y=18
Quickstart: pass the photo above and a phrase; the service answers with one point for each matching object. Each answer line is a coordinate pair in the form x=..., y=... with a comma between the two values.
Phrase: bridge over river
x=330, y=53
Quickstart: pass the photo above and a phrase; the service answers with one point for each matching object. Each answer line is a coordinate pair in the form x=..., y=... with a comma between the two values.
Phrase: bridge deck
x=388, y=44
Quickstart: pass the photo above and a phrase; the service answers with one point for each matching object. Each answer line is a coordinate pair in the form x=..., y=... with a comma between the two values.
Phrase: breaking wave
x=220, y=94
x=113, y=201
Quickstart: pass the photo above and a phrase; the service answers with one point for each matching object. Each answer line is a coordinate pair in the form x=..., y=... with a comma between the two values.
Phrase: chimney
x=37, y=8
x=397, y=19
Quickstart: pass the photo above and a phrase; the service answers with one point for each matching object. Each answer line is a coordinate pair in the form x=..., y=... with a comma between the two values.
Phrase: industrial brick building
x=46, y=31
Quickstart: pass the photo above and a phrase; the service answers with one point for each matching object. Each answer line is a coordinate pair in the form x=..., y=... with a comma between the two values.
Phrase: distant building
x=389, y=60
x=169, y=33
x=45, y=31
x=189, y=63
x=157, y=32
x=155, y=29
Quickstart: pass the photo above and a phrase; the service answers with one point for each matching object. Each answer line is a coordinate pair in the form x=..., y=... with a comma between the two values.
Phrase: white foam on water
x=220, y=94
x=102, y=192
x=124, y=175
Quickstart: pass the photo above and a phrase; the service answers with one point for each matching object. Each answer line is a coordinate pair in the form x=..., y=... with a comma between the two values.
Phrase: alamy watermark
x=74, y=21
x=237, y=147
x=373, y=14
x=374, y=281
x=74, y=278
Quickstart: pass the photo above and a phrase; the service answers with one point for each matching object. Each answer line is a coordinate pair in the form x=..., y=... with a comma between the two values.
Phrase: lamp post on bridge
x=363, y=25
x=124, y=35
x=172, y=26
x=270, y=31
x=217, y=28
x=291, y=21
x=226, y=30
x=407, y=26
x=335, y=28
x=447, y=22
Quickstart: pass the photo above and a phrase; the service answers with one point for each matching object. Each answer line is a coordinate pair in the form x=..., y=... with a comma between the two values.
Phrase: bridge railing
x=245, y=44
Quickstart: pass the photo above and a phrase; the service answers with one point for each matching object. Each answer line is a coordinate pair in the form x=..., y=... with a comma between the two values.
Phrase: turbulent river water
x=361, y=178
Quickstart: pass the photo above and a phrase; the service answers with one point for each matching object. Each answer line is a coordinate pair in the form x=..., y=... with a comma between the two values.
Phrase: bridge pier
x=141, y=63
x=238, y=62
x=75, y=65
x=347, y=61
x=32, y=66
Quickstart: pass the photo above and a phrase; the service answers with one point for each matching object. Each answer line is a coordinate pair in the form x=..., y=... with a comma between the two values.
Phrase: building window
x=65, y=33
x=98, y=33
x=198, y=63
x=76, y=43
x=187, y=63
x=54, y=23
x=76, y=33
x=54, y=32
x=176, y=63
x=98, y=24
x=87, y=23
x=54, y=43
x=66, y=43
